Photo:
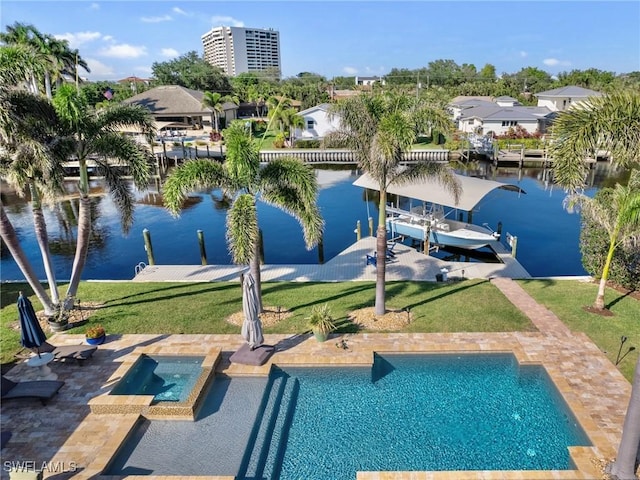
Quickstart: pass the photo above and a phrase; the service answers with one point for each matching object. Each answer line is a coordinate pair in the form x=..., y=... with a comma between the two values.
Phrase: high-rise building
x=238, y=50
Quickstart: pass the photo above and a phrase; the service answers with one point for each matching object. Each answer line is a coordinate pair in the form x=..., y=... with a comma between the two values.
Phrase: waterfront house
x=317, y=122
x=173, y=105
x=562, y=98
x=493, y=118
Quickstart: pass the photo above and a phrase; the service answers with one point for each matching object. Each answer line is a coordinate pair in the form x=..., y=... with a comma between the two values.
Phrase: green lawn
x=469, y=305
x=566, y=299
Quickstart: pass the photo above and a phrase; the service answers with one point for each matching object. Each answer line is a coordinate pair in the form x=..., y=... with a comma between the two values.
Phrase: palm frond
x=189, y=177
x=242, y=229
x=121, y=193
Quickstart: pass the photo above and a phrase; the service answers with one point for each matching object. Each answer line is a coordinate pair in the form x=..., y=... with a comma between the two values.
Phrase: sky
x=346, y=38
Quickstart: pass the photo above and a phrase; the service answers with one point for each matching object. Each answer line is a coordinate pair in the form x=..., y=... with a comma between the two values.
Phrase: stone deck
x=67, y=440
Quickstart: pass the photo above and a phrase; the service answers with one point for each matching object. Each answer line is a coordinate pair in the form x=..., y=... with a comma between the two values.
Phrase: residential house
x=176, y=106
x=317, y=122
x=498, y=120
x=368, y=81
x=560, y=99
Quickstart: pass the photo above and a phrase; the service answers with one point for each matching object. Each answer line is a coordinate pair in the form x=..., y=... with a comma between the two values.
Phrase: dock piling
x=358, y=231
x=203, y=251
x=147, y=246
x=371, y=226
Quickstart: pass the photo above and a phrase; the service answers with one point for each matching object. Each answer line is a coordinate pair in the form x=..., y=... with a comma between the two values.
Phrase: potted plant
x=60, y=321
x=321, y=322
x=95, y=335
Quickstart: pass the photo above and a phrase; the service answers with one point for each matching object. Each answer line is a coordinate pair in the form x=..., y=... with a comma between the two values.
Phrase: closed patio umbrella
x=251, y=326
x=31, y=334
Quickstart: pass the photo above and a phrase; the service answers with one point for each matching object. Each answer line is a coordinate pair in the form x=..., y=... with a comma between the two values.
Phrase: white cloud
x=107, y=38
x=523, y=53
x=123, y=50
x=220, y=20
x=179, y=11
x=163, y=18
x=553, y=62
x=169, y=52
x=350, y=70
x=77, y=39
x=99, y=69
x=95, y=6
x=143, y=69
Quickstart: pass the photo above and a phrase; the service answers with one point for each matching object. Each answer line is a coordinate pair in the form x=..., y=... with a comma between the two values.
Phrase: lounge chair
x=43, y=390
x=78, y=353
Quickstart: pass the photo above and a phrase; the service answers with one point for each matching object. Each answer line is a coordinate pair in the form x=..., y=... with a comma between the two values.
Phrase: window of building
x=310, y=124
x=509, y=123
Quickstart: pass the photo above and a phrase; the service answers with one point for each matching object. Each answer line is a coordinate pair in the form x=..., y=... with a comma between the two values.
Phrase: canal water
x=548, y=236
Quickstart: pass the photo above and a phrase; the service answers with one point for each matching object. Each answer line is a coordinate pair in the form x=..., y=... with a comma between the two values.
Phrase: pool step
x=266, y=448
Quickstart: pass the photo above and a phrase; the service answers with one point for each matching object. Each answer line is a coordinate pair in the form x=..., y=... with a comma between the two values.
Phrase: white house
x=497, y=119
x=317, y=122
x=368, y=81
x=562, y=98
x=464, y=102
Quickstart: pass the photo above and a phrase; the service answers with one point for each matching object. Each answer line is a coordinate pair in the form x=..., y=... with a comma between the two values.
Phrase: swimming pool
x=406, y=413
x=167, y=378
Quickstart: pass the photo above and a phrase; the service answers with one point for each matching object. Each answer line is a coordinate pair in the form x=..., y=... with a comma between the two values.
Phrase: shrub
x=321, y=320
x=307, y=143
x=279, y=140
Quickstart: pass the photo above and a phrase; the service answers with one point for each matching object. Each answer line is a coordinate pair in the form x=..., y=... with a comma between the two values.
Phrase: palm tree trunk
x=254, y=268
x=9, y=237
x=82, y=247
x=47, y=85
x=43, y=242
x=625, y=465
x=599, y=303
x=381, y=254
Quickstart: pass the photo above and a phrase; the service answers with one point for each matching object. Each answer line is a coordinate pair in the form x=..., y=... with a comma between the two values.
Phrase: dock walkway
x=348, y=265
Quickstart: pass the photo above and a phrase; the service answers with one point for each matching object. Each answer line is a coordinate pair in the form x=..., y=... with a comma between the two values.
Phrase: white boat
x=429, y=221
x=438, y=229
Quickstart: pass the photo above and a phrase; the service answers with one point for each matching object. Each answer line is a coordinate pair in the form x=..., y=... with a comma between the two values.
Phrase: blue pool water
x=167, y=378
x=407, y=413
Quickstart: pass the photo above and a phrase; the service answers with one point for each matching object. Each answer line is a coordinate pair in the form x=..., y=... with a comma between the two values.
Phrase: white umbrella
x=251, y=326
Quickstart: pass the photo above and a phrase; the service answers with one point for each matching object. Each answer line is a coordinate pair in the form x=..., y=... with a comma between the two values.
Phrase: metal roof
x=570, y=91
x=473, y=190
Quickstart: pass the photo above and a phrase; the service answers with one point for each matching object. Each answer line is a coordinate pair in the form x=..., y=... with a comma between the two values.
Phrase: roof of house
x=505, y=98
x=570, y=91
x=462, y=100
x=173, y=100
x=323, y=106
x=497, y=113
x=134, y=79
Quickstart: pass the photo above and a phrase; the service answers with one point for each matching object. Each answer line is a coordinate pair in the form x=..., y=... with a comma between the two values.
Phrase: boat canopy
x=473, y=190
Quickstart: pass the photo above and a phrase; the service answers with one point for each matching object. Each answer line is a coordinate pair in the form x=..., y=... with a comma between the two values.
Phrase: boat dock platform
x=348, y=265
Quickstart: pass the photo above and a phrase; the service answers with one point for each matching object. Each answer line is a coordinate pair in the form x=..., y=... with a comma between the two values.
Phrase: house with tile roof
x=180, y=106
x=560, y=99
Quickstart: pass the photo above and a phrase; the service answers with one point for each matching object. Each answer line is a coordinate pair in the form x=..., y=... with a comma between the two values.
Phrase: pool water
x=167, y=378
x=427, y=412
x=406, y=413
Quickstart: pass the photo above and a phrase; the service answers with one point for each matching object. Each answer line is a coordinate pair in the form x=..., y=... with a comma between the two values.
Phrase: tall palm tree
x=95, y=134
x=379, y=129
x=54, y=57
x=286, y=183
x=30, y=164
x=277, y=107
x=215, y=101
x=610, y=122
x=292, y=121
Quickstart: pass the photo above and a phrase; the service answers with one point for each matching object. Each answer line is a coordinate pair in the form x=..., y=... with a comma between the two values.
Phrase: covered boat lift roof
x=473, y=190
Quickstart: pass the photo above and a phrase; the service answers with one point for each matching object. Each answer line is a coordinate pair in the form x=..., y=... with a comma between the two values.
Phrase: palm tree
x=95, y=134
x=277, y=107
x=292, y=121
x=31, y=164
x=379, y=129
x=215, y=101
x=54, y=57
x=610, y=122
x=286, y=183
x=617, y=210
x=10, y=239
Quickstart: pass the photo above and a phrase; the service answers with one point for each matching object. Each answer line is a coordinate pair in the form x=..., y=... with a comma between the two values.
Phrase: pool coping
x=584, y=458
